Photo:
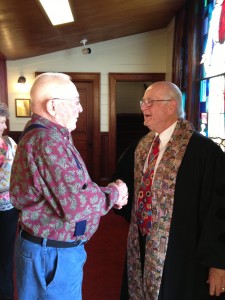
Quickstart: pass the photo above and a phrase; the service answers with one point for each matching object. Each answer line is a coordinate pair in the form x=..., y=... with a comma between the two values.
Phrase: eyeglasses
x=150, y=102
x=75, y=101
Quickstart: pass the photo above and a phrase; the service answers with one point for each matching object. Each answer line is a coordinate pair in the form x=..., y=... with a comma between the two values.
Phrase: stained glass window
x=212, y=71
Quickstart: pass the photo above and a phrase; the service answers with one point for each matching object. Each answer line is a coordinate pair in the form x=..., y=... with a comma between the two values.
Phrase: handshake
x=123, y=193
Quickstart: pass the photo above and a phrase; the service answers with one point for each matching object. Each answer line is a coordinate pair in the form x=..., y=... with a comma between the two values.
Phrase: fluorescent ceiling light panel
x=58, y=11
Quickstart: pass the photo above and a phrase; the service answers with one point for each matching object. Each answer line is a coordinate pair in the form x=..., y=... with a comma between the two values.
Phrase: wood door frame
x=113, y=79
x=95, y=79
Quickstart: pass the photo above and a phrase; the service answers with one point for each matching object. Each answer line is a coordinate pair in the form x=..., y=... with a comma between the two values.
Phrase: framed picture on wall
x=23, y=108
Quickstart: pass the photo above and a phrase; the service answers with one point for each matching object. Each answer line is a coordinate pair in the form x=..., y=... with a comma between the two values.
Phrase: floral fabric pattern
x=163, y=188
x=52, y=188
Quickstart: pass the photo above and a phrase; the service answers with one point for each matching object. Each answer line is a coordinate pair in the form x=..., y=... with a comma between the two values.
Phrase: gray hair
x=175, y=93
x=4, y=111
x=171, y=92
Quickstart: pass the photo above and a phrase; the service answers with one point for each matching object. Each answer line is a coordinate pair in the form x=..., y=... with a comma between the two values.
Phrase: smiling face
x=158, y=115
x=2, y=125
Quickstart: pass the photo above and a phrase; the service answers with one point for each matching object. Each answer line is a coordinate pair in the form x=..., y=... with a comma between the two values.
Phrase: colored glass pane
x=212, y=70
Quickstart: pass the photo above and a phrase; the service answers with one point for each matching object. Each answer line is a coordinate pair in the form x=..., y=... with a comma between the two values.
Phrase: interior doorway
x=114, y=79
x=129, y=117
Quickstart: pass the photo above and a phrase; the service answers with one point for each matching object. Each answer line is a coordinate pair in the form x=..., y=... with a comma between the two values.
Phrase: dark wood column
x=3, y=86
x=3, y=82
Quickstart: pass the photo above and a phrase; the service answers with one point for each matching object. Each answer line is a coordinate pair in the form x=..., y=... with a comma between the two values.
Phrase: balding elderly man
x=176, y=241
x=60, y=207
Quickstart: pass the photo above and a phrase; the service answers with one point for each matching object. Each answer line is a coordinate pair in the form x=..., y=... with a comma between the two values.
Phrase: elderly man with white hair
x=60, y=206
x=176, y=240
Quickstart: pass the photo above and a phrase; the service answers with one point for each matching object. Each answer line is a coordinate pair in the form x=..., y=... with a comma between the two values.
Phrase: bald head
x=161, y=105
x=169, y=90
x=48, y=86
x=55, y=97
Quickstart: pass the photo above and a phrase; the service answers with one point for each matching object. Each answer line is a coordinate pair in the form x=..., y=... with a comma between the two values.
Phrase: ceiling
x=25, y=30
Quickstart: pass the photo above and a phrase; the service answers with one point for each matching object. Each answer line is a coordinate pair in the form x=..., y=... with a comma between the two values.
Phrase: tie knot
x=155, y=145
x=156, y=140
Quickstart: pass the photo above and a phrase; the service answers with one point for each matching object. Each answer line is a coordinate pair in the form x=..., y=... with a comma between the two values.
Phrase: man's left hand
x=216, y=281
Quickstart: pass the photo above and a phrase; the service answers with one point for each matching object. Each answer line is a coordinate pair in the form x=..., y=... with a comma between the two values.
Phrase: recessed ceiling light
x=58, y=11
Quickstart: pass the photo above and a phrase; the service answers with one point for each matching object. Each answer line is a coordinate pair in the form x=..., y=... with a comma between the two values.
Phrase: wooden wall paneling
x=3, y=88
x=103, y=23
x=192, y=109
x=186, y=67
x=177, y=68
x=104, y=162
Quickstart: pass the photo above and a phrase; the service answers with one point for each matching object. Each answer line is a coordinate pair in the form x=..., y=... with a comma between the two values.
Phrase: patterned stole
x=144, y=212
x=162, y=190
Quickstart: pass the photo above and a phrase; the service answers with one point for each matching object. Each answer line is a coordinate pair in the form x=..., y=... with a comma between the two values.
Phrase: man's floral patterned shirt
x=51, y=187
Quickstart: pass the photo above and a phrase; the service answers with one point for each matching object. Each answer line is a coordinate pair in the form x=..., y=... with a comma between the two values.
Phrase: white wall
x=142, y=53
x=170, y=37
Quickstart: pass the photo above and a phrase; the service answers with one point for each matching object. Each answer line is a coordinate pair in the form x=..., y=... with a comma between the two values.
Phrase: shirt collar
x=49, y=124
x=166, y=134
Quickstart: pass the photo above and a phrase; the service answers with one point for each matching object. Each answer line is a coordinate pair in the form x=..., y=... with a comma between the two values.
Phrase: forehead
x=153, y=92
x=2, y=119
x=68, y=90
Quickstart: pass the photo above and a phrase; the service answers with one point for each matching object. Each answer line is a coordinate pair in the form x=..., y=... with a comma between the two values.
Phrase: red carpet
x=105, y=259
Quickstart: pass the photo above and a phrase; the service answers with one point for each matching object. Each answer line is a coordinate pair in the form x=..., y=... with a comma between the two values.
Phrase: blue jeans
x=46, y=273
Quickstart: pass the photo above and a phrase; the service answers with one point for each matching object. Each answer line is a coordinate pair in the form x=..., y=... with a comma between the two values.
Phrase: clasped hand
x=123, y=193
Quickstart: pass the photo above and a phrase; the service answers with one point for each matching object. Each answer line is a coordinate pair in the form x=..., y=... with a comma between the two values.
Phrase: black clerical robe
x=197, y=232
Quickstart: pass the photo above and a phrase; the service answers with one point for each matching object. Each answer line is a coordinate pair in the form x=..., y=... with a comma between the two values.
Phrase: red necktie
x=144, y=213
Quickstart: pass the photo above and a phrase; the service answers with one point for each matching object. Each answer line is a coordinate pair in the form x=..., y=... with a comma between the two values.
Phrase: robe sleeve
x=211, y=242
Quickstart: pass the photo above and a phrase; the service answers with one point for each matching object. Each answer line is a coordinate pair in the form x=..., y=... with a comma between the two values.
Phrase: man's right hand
x=123, y=193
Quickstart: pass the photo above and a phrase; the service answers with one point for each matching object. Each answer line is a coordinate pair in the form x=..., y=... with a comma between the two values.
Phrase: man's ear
x=172, y=106
x=50, y=107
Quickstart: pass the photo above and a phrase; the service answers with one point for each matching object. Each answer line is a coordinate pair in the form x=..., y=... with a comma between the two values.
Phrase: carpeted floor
x=106, y=253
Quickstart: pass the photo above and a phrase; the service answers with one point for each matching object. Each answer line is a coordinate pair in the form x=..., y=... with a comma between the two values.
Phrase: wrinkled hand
x=216, y=281
x=123, y=193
